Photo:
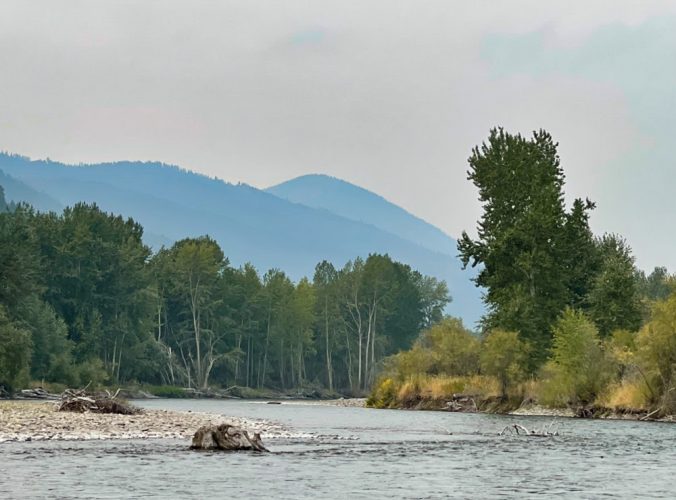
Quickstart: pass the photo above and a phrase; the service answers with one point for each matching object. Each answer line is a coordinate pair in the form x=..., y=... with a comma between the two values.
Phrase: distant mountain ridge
x=252, y=225
x=356, y=203
x=17, y=191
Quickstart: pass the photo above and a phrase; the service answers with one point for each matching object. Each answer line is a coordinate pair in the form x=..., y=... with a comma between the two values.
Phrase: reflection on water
x=358, y=453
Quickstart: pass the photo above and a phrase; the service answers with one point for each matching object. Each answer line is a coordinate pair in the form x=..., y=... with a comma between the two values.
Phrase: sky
x=389, y=95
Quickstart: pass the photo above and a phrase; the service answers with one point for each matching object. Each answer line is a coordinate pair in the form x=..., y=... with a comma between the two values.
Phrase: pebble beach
x=39, y=421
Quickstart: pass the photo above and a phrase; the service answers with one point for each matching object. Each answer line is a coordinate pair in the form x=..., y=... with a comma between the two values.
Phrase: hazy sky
x=389, y=95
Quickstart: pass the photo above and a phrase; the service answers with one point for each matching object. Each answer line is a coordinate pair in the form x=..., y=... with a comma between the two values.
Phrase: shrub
x=92, y=373
x=656, y=344
x=454, y=350
x=167, y=391
x=578, y=369
x=446, y=348
x=409, y=363
x=503, y=355
x=384, y=395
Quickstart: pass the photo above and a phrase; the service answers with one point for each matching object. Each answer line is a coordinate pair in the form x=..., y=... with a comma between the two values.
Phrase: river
x=358, y=453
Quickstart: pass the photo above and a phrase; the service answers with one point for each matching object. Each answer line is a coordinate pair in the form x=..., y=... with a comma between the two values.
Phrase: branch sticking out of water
x=520, y=430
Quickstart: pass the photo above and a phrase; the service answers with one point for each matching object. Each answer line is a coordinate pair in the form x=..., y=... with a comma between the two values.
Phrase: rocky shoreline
x=341, y=402
x=33, y=421
x=466, y=404
x=592, y=412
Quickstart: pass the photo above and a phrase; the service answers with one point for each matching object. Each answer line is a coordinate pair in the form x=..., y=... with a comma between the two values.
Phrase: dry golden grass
x=529, y=390
x=443, y=387
x=483, y=386
x=390, y=393
x=408, y=391
x=625, y=395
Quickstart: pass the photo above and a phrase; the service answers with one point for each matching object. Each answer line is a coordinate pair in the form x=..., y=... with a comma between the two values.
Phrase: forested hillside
x=249, y=224
x=83, y=299
x=18, y=191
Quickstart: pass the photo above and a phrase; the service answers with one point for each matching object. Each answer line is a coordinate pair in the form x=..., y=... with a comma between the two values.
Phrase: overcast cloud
x=389, y=95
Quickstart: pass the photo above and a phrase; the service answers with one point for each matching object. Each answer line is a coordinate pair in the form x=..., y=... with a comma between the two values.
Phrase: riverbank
x=38, y=421
x=52, y=391
x=341, y=402
x=492, y=406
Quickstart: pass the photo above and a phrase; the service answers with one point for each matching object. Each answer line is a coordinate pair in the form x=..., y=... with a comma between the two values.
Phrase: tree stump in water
x=226, y=437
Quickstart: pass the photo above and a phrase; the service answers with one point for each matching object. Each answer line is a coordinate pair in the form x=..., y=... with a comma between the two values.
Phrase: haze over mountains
x=291, y=226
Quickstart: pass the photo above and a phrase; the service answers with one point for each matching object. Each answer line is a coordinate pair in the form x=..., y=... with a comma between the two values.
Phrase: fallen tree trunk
x=226, y=437
x=38, y=393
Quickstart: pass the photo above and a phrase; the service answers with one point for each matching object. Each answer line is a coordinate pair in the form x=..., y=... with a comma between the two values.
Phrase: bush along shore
x=625, y=376
x=429, y=394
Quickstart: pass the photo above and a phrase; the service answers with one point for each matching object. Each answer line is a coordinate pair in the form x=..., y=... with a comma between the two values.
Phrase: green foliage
x=446, y=348
x=578, y=370
x=581, y=255
x=523, y=240
x=553, y=290
x=613, y=299
x=15, y=351
x=504, y=356
x=191, y=278
x=92, y=372
x=454, y=350
x=51, y=358
x=3, y=203
x=537, y=258
x=656, y=345
x=167, y=391
x=434, y=297
x=97, y=282
x=20, y=263
x=620, y=349
x=656, y=286
x=237, y=328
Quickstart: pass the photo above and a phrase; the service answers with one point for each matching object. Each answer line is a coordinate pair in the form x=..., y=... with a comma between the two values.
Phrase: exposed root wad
x=226, y=437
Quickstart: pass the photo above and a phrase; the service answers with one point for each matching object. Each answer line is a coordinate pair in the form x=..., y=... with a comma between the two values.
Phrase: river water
x=358, y=453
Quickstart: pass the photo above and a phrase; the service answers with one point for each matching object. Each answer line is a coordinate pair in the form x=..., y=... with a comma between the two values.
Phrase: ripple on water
x=353, y=453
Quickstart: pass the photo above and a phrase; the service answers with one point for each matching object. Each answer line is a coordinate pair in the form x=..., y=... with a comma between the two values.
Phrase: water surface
x=358, y=453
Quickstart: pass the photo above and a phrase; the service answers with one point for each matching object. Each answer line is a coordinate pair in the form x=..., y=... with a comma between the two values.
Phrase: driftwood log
x=226, y=437
x=520, y=430
x=37, y=393
x=79, y=401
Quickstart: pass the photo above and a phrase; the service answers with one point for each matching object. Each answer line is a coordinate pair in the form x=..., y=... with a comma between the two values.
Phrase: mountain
x=359, y=204
x=17, y=191
x=251, y=225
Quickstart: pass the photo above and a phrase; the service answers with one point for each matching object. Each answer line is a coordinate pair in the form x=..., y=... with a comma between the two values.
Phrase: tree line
x=567, y=310
x=82, y=299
